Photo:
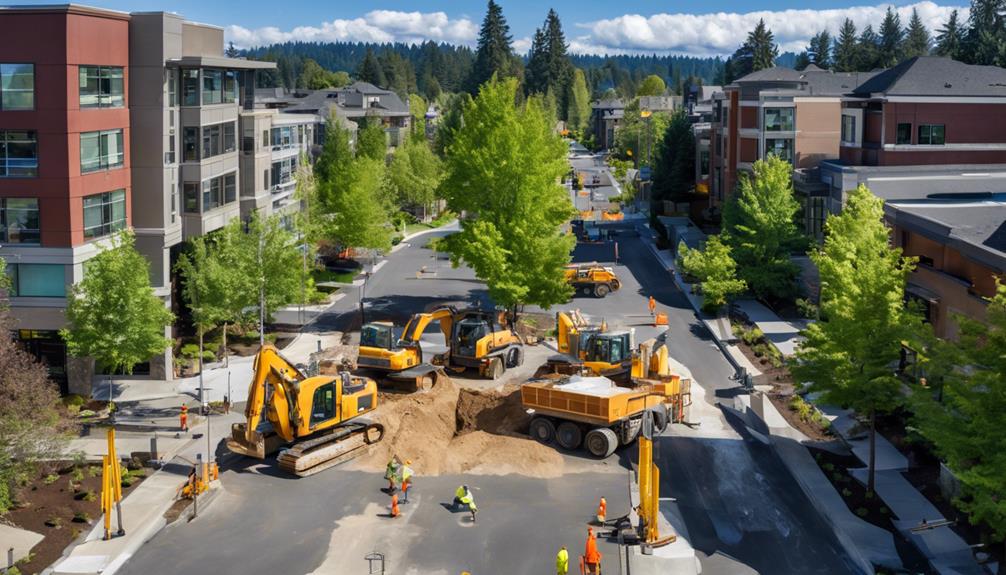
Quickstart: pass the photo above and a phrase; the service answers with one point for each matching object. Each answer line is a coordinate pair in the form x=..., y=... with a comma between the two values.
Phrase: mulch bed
x=243, y=349
x=60, y=510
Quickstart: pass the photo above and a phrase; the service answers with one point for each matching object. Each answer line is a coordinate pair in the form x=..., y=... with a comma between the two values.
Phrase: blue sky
x=701, y=28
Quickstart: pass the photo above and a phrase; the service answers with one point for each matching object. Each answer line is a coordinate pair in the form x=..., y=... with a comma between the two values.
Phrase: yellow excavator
x=315, y=422
x=475, y=339
x=592, y=348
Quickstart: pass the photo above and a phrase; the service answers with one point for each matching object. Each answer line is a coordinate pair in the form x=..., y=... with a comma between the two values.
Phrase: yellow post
x=645, y=476
x=112, y=486
x=654, y=533
x=106, y=498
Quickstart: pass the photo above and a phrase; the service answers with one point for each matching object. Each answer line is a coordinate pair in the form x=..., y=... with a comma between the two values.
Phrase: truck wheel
x=615, y=285
x=514, y=357
x=601, y=290
x=568, y=435
x=495, y=368
x=542, y=430
x=601, y=442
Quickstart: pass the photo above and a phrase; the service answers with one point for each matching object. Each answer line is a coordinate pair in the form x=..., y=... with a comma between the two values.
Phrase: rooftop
x=974, y=225
x=811, y=81
x=935, y=76
x=69, y=8
x=613, y=103
x=899, y=183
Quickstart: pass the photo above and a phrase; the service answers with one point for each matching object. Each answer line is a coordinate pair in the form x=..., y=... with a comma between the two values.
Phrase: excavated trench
x=448, y=430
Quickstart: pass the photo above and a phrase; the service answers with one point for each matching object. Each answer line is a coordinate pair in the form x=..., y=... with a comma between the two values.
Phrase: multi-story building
x=65, y=159
x=605, y=118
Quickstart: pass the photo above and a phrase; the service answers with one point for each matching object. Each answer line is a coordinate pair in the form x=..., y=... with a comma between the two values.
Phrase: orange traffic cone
x=602, y=510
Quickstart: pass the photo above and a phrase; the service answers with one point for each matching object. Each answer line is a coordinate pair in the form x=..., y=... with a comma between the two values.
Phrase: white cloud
x=721, y=33
x=374, y=26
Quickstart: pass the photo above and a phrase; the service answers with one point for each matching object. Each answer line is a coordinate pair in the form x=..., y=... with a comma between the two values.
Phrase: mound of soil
x=449, y=431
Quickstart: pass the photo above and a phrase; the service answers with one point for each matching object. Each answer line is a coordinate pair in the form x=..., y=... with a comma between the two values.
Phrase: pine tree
x=985, y=41
x=536, y=73
x=891, y=39
x=231, y=51
x=548, y=66
x=762, y=47
x=802, y=61
x=950, y=38
x=845, y=53
x=370, y=70
x=819, y=50
x=917, y=39
x=868, y=50
x=494, y=54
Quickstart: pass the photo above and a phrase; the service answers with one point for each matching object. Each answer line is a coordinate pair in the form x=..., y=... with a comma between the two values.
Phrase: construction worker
x=183, y=418
x=459, y=495
x=602, y=511
x=591, y=556
x=394, y=505
x=653, y=306
x=562, y=561
x=406, y=480
x=463, y=498
x=391, y=473
x=227, y=404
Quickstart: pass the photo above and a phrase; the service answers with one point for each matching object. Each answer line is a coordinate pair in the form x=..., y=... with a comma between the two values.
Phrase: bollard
x=153, y=447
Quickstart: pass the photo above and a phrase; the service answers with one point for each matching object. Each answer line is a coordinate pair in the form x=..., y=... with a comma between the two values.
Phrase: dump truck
x=597, y=413
x=592, y=279
x=596, y=350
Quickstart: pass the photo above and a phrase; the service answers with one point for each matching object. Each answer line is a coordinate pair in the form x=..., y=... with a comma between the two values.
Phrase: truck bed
x=594, y=400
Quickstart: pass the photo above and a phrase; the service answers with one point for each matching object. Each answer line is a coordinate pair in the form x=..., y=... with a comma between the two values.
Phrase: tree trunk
x=871, y=482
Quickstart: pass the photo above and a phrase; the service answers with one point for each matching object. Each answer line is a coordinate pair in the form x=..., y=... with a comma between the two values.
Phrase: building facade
x=605, y=119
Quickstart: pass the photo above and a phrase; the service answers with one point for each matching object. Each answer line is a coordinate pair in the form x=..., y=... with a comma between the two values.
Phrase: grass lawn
x=323, y=275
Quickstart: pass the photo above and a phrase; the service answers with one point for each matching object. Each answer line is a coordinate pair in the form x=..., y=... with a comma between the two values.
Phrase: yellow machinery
x=596, y=412
x=479, y=340
x=594, y=349
x=592, y=279
x=314, y=420
x=649, y=490
x=403, y=359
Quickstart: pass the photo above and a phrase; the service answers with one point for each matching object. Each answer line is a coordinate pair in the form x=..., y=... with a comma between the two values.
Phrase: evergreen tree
x=950, y=38
x=536, y=73
x=674, y=167
x=548, y=66
x=917, y=40
x=802, y=60
x=231, y=51
x=370, y=70
x=578, y=104
x=845, y=54
x=985, y=41
x=371, y=141
x=891, y=39
x=762, y=47
x=494, y=54
x=819, y=50
x=868, y=50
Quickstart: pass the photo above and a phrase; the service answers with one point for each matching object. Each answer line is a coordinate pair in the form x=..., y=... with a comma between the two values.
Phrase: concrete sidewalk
x=783, y=334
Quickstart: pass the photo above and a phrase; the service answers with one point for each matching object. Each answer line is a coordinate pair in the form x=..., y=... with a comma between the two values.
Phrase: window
x=190, y=87
x=19, y=221
x=218, y=139
x=323, y=404
x=100, y=150
x=17, y=86
x=218, y=191
x=783, y=148
x=101, y=87
x=904, y=135
x=174, y=203
x=229, y=137
x=18, y=154
x=213, y=87
x=104, y=213
x=190, y=144
x=265, y=137
x=283, y=171
x=170, y=157
x=849, y=129
x=932, y=134
x=779, y=119
x=265, y=179
x=37, y=280
x=191, y=197
x=230, y=188
x=172, y=88
x=230, y=87
x=284, y=137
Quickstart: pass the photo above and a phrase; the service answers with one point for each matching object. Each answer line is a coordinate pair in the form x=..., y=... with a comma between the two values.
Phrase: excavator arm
x=419, y=322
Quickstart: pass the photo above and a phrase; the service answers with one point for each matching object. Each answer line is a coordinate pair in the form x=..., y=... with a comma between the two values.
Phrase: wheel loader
x=314, y=422
x=592, y=279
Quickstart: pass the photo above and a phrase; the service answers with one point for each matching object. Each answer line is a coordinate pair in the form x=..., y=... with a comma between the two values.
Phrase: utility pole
x=261, y=293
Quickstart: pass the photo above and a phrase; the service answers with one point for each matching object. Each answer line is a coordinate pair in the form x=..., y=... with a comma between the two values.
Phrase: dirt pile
x=335, y=358
x=447, y=430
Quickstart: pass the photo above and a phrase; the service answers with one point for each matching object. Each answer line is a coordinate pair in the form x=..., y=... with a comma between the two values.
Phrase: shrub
x=81, y=517
x=807, y=308
x=803, y=410
x=884, y=511
x=189, y=351
x=77, y=474
x=55, y=522
x=50, y=479
x=752, y=336
x=846, y=492
x=74, y=400
x=862, y=512
x=836, y=477
x=828, y=466
x=86, y=413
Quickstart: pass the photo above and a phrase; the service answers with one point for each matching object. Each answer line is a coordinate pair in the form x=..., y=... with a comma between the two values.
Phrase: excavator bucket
x=260, y=446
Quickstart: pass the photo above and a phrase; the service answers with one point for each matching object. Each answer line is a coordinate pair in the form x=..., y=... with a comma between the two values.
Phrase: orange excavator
x=314, y=422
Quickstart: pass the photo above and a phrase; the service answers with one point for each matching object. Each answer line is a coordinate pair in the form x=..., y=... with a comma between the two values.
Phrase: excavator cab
x=611, y=348
x=470, y=331
x=378, y=334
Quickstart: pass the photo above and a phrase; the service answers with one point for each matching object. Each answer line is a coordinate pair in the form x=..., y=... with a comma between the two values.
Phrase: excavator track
x=305, y=458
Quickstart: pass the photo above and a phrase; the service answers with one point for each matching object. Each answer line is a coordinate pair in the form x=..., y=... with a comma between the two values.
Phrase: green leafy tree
x=819, y=50
x=950, y=38
x=503, y=170
x=759, y=226
x=414, y=175
x=714, y=269
x=674, y=167
x=371, y=141
x=113, y=314
x=891, y=39
x=637, y=137
x=450, y=122
x=335, y=163
x=314, y=77
x=358, y=215
x=417, y=111
x=269, y=257
x=652, y=85
x=205, y=289
x=370, y=70
x=917, y=40
x=578, y=103
x=494, y=53
x=964, y=422
x=845, y=53
x=868, y=50
x=847, y=357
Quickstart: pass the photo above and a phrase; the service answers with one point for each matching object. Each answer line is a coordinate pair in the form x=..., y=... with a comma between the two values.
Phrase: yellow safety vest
x=562, y=562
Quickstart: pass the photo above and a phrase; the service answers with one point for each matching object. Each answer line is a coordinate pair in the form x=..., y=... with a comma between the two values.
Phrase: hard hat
x=465, y=486
x=408, y=462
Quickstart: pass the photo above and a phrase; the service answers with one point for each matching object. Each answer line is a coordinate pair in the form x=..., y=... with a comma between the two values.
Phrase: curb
x=404, y=239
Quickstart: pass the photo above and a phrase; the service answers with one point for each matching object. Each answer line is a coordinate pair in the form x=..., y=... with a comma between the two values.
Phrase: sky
x=706, y=28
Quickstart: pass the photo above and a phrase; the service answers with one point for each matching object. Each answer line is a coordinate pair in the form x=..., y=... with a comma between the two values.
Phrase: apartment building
x=605, y=119
x=65, y=159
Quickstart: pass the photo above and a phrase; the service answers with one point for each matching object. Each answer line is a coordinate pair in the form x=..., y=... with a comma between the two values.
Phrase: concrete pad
x=16, y=543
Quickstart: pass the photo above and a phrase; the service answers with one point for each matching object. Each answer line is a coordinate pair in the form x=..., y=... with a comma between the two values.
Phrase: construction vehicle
x=599, y=414
x=592, y=279
x=592, y=349
x=477, y=339
x=314, y=422
x=401, y=359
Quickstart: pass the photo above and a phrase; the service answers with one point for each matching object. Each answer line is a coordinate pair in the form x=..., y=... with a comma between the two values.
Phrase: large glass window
x=104, y=213
x=284, y=137
x=932, y=134
x=848, y=128
x=190, y=144
x=218, y=139
x=230, y=94
x=230, y=188
x=904, y=135
x=19, y=221
x=781, y=147
x=101, y=87
x=219, y=191
x=172, y=87
x=779, y=119
x=190, y=87
x=213, y=87
x=101, y=150
x=17, y=86
x=18, y=154
x=37, y=280
x=283, y=171
x=191, y=197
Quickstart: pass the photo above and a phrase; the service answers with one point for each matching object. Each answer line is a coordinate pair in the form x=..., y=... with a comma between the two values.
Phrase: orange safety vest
x=591, y=554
